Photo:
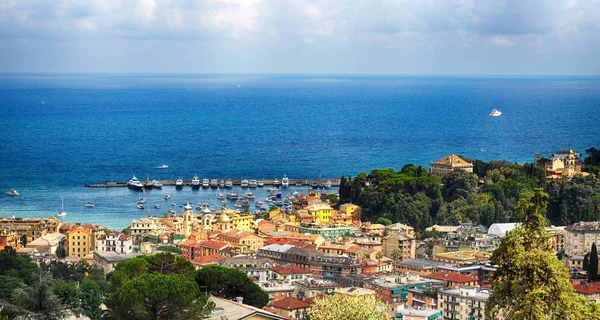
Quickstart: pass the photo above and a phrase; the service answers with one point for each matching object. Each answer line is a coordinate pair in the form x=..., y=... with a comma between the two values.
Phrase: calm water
x=97, y=127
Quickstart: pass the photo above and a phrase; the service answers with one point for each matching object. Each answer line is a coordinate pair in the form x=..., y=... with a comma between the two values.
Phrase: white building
x=501, y=229
x=48, y=243
x=115, y=242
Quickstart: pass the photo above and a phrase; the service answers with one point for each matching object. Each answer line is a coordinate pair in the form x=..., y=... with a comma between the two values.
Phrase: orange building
x=453, y=279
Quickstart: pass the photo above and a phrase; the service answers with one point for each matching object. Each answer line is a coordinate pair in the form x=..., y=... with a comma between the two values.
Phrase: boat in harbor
x=195, y=182
x=495, y=113
x=328, y=184
x=173, y=204
x=285, y=182
x=62, y=212
x=314, y=184
x=242, y=203
x=221, y=184
x=134, y=183
x=228, y=184
x=172, y=212
x=157, y=206
x=244, y=183
x=179, y=183
x=278, y=203
x=260, y=183
x=252, y=183
x=163, y=166
x=141, y=200
x=220, y=196
x=12, y=193
x=276, y=183
x=167, y=196
x=156, y=184
x=140, y=206
x=260, y=205
x=205, y=183
x=249, y=195
x=147, y=184
x=232, y=196
x=89, y=205
x=214, y=183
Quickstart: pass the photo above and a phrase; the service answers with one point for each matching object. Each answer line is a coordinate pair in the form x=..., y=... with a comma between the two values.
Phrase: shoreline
x=236, y=182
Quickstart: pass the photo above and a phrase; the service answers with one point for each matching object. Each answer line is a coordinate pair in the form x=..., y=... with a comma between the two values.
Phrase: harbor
x=236, y=182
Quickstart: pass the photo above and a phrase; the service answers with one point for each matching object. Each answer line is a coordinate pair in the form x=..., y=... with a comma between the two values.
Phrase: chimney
x=239, y=300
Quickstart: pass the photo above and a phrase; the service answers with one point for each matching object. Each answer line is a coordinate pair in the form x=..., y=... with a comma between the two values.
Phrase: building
x=289, y=273
x=48, y=243
x=291, y=307
x=420, y=266
x=255, y=268
x=329, y=247
x=277, y=290
x=243, y=241
x=351, y=210
x=557, y=239
x=578, y=242
x=107, y=260
x=425, y=298
x=462, y=257
x=115, y=242
x=400, y=227
x=453, y=279
x=79, y=239
x=211, y=247
x=463, y=303
x=320, y=212
x=289, y=254
x=227, y=309
x=360, y=293
x=500, y=229
x=145, y=225
x=400, y=241
x=393, y=289
x=450, y=163
x=590, y=291
x=418, y=314
x=566, y=163
x=311, y=288
x=334, y=268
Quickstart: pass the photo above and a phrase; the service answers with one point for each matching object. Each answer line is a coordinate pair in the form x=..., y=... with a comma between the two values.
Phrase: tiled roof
x=187, y=243
x=213, y=258
x=80, y=228
x=453, y=161
x=214, y=244
x=451, y=276
x=289, y=270
x=588, y=288
x=290, y=303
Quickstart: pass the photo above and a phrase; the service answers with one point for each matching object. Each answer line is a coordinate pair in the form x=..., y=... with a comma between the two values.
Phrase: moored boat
x=328, y=184
x=62, y=212
x=167, y=196
x=205, y=183
x=89, y=205
x=252, y=183
x=244, y=183
x=147, y=184
x=495, y=113
x=214, y=183
x=179, y=183
x=232, y=196
x=156, y=184
x=249, y=195
x=221, y=184
x=134, y=183
x=12, y=192
x=220, y=196
x=276, y=183
x=260, y=183
x=228, y=184
x=285, y=182
x=140, y=206
x=195, y=182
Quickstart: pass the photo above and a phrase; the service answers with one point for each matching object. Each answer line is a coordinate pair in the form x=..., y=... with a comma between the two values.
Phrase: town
x=321, y=248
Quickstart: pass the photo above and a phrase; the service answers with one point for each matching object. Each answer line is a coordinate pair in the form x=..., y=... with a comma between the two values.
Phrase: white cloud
x=502, y=41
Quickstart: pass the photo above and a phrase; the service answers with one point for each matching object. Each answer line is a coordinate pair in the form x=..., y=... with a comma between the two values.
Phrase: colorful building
x=80, y=242
x=321, y=212
x=450, y=163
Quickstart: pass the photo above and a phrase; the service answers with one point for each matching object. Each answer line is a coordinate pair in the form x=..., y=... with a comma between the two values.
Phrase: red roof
x=80, y=228
x=352, y=249
x=213, y=258
x=588, y=288
x=290, y=242
x=289, y=270
x=187, y=243
x=311, y=300
x=214, y=244
x=290, y=303
x=451, y=276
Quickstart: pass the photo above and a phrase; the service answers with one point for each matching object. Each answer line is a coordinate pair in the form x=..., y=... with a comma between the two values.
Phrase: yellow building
x=461, y=256
x=360, y=293
x=321, y=212
x=450, y=163
x=350, y=209
x=80, y=242
x=329, y=247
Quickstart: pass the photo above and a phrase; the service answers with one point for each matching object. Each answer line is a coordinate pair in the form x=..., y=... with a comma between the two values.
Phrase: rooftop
x=290, y=303
x=419, y=263
x=588, y=288
x=452, y=277
x=453, y=161
x=289, y=270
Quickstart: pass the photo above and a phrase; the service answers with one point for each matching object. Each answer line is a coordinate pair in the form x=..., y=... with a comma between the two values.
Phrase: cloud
x=502, y=41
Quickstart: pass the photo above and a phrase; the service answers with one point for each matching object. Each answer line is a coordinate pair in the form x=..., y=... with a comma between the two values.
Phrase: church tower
x=570, y=164
x=188, y=220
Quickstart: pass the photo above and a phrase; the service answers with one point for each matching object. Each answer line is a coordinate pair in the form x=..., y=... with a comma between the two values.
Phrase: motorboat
x=179, y=183
x=156, y=206
x=147, y=184
x=205, y=183
x=141, y=200
x=163, y=166
x=242, y=203
x=62, y=212
x=252, y=183
x=173, y=204
x=89, y=205
x=221, y=184
x=228, y=184
x=278, y=203
x=285, y=182
x=276, y=182
x=167, y=196
x=220, y=196
x=140, y=206
x=156, y=184
x=328, y=184
x=260, y=183
x=495, y=113
x=249, y=195
x=232, y=196
x=244, y=183
x=214, y=183
x=195, y=182
x=134, y=183
x=314, y=184
x=12, y=192
x=172, y=211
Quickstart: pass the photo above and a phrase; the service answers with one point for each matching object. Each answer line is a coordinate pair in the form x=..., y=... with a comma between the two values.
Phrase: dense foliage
x=230, y=283
x=342, y=307
x=530, y=283
x=488, y=195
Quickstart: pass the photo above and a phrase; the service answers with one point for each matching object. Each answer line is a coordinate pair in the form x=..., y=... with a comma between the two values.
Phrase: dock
x=238, y=182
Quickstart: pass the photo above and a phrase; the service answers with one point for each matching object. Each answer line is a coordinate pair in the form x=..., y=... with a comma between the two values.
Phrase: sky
x=302, y=36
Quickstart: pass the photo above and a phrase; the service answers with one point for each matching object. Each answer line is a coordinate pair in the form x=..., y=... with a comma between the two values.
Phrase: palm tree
x=379, y=256
x=396, y=254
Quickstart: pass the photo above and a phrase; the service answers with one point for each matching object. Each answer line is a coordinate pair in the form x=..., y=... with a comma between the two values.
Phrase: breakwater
x=238, y=182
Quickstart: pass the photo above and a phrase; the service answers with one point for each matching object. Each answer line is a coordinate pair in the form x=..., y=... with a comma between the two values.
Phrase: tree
x=61, y=253
x=36, y=302
x=530, y=283
x=333, y=199
x=384, y=221
x=379, y=256
x=163, y=263
x=158, y=296
x=396, y=254
x=586, y=263
x=593, y=271
x=91, y=299
x=230, y=283
x=67, y=294
x=342, y=307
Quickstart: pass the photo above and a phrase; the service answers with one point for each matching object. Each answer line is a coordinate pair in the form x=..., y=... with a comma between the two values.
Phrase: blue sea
x=62, y=131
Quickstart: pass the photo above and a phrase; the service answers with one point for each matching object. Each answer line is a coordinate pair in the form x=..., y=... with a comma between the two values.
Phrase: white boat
x=285, y=182
x=167, y=196
x=62, y=212
x=134, y=183
x=163, y=166
x=156, y=184
x=156, y=206
x=242, y=203
x=140, y=206
x=228, y=184
x=141, y=200
x=12, y=192
x=179, y=183
x=328, y=184
x=205, y=183
x=220, y=196
x=276, y=182
x=252, y=183
x=221, y=184
x=232, y=196
x=260, y=183
x=214, y=183
x=89, y=205
x=195, y=182
x=244, y=183
x=249, y=195
x=495, y=113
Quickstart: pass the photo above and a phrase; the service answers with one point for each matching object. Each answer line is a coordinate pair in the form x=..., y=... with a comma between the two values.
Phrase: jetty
x=236, y=182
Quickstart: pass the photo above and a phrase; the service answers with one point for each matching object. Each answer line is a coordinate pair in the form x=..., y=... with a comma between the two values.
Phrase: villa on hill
x=450, y=163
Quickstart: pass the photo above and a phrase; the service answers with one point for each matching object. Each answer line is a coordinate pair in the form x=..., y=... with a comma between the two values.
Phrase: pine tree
x=593, y=271
x=586, y=262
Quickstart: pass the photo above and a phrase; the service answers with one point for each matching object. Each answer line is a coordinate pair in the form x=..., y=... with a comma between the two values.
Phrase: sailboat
x=62, y=212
